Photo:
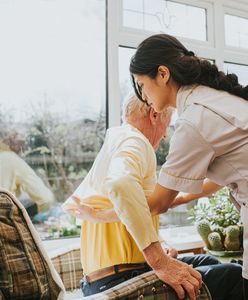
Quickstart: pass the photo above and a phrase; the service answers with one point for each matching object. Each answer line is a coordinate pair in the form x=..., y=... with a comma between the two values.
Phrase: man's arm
x=181, y=277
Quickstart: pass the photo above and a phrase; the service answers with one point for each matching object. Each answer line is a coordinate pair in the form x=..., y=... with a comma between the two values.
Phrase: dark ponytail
x=185, y=67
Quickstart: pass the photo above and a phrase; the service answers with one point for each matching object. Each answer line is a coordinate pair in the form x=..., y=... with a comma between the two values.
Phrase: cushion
x=26, y=272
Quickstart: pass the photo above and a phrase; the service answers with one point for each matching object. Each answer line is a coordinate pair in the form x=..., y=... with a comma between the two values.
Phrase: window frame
x=214, y=49
x=236, y=13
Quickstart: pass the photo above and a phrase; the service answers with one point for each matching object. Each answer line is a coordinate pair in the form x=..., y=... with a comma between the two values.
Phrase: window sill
x=58, y=246
x=182, y=238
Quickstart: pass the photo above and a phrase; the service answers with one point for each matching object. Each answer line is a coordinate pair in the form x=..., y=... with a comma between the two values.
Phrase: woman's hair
x=184, y=66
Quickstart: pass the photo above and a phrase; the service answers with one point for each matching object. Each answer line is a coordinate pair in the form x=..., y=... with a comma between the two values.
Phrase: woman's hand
x=87, y=212
x=82, y=210
x=179, y=200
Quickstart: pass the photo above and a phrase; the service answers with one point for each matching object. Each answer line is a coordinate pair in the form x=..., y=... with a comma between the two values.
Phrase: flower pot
x=224, y=252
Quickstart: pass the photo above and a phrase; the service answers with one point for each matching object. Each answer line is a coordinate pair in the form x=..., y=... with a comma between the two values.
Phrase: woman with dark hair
x=211, y=133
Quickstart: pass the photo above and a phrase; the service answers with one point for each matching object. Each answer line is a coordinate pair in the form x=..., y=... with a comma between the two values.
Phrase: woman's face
x=159, y=92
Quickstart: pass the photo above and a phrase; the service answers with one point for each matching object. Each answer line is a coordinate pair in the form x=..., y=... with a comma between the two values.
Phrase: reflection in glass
x=166, y=16
x=52, y=76
x=236, y=31
x=240, y=70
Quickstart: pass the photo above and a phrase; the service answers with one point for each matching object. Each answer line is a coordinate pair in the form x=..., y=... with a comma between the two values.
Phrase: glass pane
x=236, y=31
x=178, y=215
x=52, y=96
x=125, y=55
x=166, y=16
x=240, y=70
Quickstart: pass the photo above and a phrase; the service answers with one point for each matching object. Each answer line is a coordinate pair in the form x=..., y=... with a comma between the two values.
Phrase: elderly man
x=124, y=175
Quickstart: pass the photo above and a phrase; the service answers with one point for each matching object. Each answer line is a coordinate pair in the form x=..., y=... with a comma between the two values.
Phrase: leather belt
x=99, y=274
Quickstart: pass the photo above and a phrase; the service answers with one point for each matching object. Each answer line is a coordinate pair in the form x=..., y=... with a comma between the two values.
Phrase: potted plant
x=218, y=223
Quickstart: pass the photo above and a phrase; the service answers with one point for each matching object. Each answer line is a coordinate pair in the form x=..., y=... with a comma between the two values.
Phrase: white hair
x=132, y=106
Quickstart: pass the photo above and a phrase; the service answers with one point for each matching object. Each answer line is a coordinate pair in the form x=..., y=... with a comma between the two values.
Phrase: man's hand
x=180, y=276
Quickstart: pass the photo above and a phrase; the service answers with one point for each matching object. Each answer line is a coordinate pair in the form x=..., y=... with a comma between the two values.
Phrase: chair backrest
x=145, y=286
x=68, y=265
x=26, y=272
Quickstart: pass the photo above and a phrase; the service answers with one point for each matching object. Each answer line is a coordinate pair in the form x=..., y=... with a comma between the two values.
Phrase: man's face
x=156, y=127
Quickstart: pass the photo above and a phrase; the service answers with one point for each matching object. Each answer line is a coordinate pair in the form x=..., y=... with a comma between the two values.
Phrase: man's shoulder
x=127, y=135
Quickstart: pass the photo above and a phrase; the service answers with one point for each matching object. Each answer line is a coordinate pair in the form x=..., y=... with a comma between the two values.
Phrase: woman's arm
x=159, y=202
x=161, y=199
x=209, y=187
x=156, y=203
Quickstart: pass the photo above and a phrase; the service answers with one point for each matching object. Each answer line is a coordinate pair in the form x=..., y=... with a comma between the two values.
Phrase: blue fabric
x=224, y=280
x=245, y=288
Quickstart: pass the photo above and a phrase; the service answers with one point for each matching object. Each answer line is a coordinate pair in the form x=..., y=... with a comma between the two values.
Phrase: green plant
x=219, y=211
x=218, y=222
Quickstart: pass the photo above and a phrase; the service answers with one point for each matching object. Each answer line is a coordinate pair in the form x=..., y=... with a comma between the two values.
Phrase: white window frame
x=214, y=48
x=237, y=55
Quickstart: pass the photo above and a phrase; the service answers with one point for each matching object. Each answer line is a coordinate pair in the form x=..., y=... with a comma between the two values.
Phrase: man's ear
x=153, y=116
x=164, y=73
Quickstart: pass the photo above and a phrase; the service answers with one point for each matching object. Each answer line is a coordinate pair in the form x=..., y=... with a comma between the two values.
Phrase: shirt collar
x=137, y=131
x=182, y=95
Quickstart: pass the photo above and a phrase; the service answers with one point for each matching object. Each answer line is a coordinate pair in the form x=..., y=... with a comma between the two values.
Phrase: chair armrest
x=145, y=286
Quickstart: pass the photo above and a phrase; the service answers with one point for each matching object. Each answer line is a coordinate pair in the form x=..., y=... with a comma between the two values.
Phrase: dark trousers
x=245, y=288
x=224, y=281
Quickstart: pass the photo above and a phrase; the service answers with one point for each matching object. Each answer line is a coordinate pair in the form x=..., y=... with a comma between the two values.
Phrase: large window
x=54, y=81
x=53, y=95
